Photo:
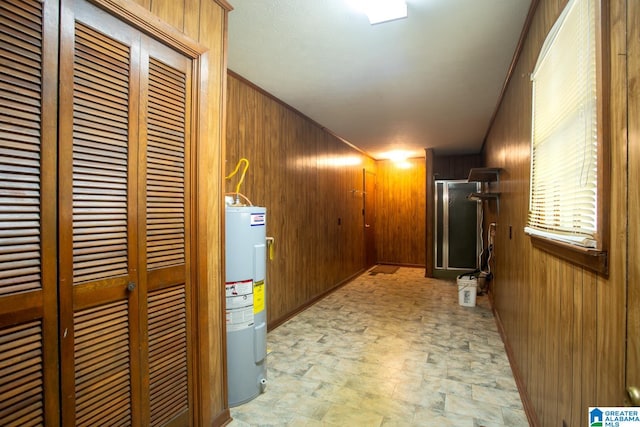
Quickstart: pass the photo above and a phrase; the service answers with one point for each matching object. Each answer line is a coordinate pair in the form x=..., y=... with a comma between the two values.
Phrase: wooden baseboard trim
x=398, y=264
x=222, y=419
x=522, y=389
x=277, y=322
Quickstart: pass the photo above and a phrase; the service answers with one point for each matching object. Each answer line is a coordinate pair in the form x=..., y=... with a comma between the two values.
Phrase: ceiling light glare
x=397, y=155
x=379, y=11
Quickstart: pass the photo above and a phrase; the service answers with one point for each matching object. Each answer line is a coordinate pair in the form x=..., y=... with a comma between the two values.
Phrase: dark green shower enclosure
x=457, y=227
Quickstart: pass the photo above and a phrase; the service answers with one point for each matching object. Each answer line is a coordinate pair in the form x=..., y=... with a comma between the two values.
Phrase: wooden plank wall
x=206, y=22
x=633, y=318
x=455, y=166
x=400, y=213
x=564, y=324
x=312, y=185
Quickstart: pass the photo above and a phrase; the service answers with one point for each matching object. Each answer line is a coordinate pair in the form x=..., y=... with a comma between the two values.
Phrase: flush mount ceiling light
x=380, y=11
x=399, y=157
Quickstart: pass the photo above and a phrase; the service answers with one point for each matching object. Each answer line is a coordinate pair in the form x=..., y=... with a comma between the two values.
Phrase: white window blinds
x=564, y=150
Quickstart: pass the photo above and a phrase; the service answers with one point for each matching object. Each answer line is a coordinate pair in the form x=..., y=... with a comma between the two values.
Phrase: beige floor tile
x=340, y=395
x=340, y=415
x=510, y=399
x=473, y=408
x=514, y=417
x=387, y=350
x=425, y=417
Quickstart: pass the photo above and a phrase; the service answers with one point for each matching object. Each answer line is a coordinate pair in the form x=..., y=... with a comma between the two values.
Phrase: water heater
x=246, y=313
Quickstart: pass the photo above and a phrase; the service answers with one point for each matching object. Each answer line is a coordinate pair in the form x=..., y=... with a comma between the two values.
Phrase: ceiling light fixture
x=380, y=11
x=399, y=158
x=396, y=155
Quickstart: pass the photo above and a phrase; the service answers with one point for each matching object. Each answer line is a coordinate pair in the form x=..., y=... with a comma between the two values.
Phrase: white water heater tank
x=245, y=287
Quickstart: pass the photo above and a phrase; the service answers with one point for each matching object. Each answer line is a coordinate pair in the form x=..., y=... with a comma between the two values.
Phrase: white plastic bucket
x=467, y=290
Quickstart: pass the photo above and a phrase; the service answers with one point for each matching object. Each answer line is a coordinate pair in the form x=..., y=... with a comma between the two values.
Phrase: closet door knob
x=131, y=286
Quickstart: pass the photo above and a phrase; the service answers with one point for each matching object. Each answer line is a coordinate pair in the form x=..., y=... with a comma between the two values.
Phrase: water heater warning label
x=239, y=302
x=240, y=319
x=234, y=289
x=239, y=298
x=258, y=219
x=258, y=297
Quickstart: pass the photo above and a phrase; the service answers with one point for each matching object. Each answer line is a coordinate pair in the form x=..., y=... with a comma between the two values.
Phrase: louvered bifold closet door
x=28, y=295
x=98, y=218
x=167, y=219
x=124, y=259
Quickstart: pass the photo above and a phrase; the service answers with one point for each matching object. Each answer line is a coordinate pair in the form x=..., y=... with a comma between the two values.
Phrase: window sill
x=591, y=259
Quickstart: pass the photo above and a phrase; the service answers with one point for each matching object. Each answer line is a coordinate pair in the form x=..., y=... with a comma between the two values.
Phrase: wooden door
x=369, y=217
x=28, y=275
x=124, y=213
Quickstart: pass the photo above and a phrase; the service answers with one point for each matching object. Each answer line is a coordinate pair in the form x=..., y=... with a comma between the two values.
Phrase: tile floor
x=387, y=350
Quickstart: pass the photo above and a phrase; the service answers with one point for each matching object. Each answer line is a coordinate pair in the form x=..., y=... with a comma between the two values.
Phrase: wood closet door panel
x=28, y=286
x=168, y=363
x=165, y=183
x=102, y=166
x=21, y=370
x=124, y=259
x=166, y=131
x=20, y=147
x=98, y=208
x=103, y=390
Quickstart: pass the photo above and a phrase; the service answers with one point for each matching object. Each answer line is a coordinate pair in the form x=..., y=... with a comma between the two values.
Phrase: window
x=567, y=156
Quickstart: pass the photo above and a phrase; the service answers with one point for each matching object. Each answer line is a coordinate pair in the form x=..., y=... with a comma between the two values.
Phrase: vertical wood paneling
x=144, y=3
x=306, y=178
x=455, y=166
x=371, y=255
x=612, y=291
x=170, y=11
x=430, y=212
x=590, y=330
x=312, y=183
x=633, y=317
x=565, y=325
x=566, y=341
x=536, y=333
x=206, y=22
x=577, y=365
x=551, y=285
x=401, y=213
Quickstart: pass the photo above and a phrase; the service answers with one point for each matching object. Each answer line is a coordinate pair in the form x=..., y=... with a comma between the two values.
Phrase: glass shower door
x=457, y=225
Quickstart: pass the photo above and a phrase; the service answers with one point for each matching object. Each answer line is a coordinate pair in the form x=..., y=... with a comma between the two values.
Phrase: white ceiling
x=432, y=80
